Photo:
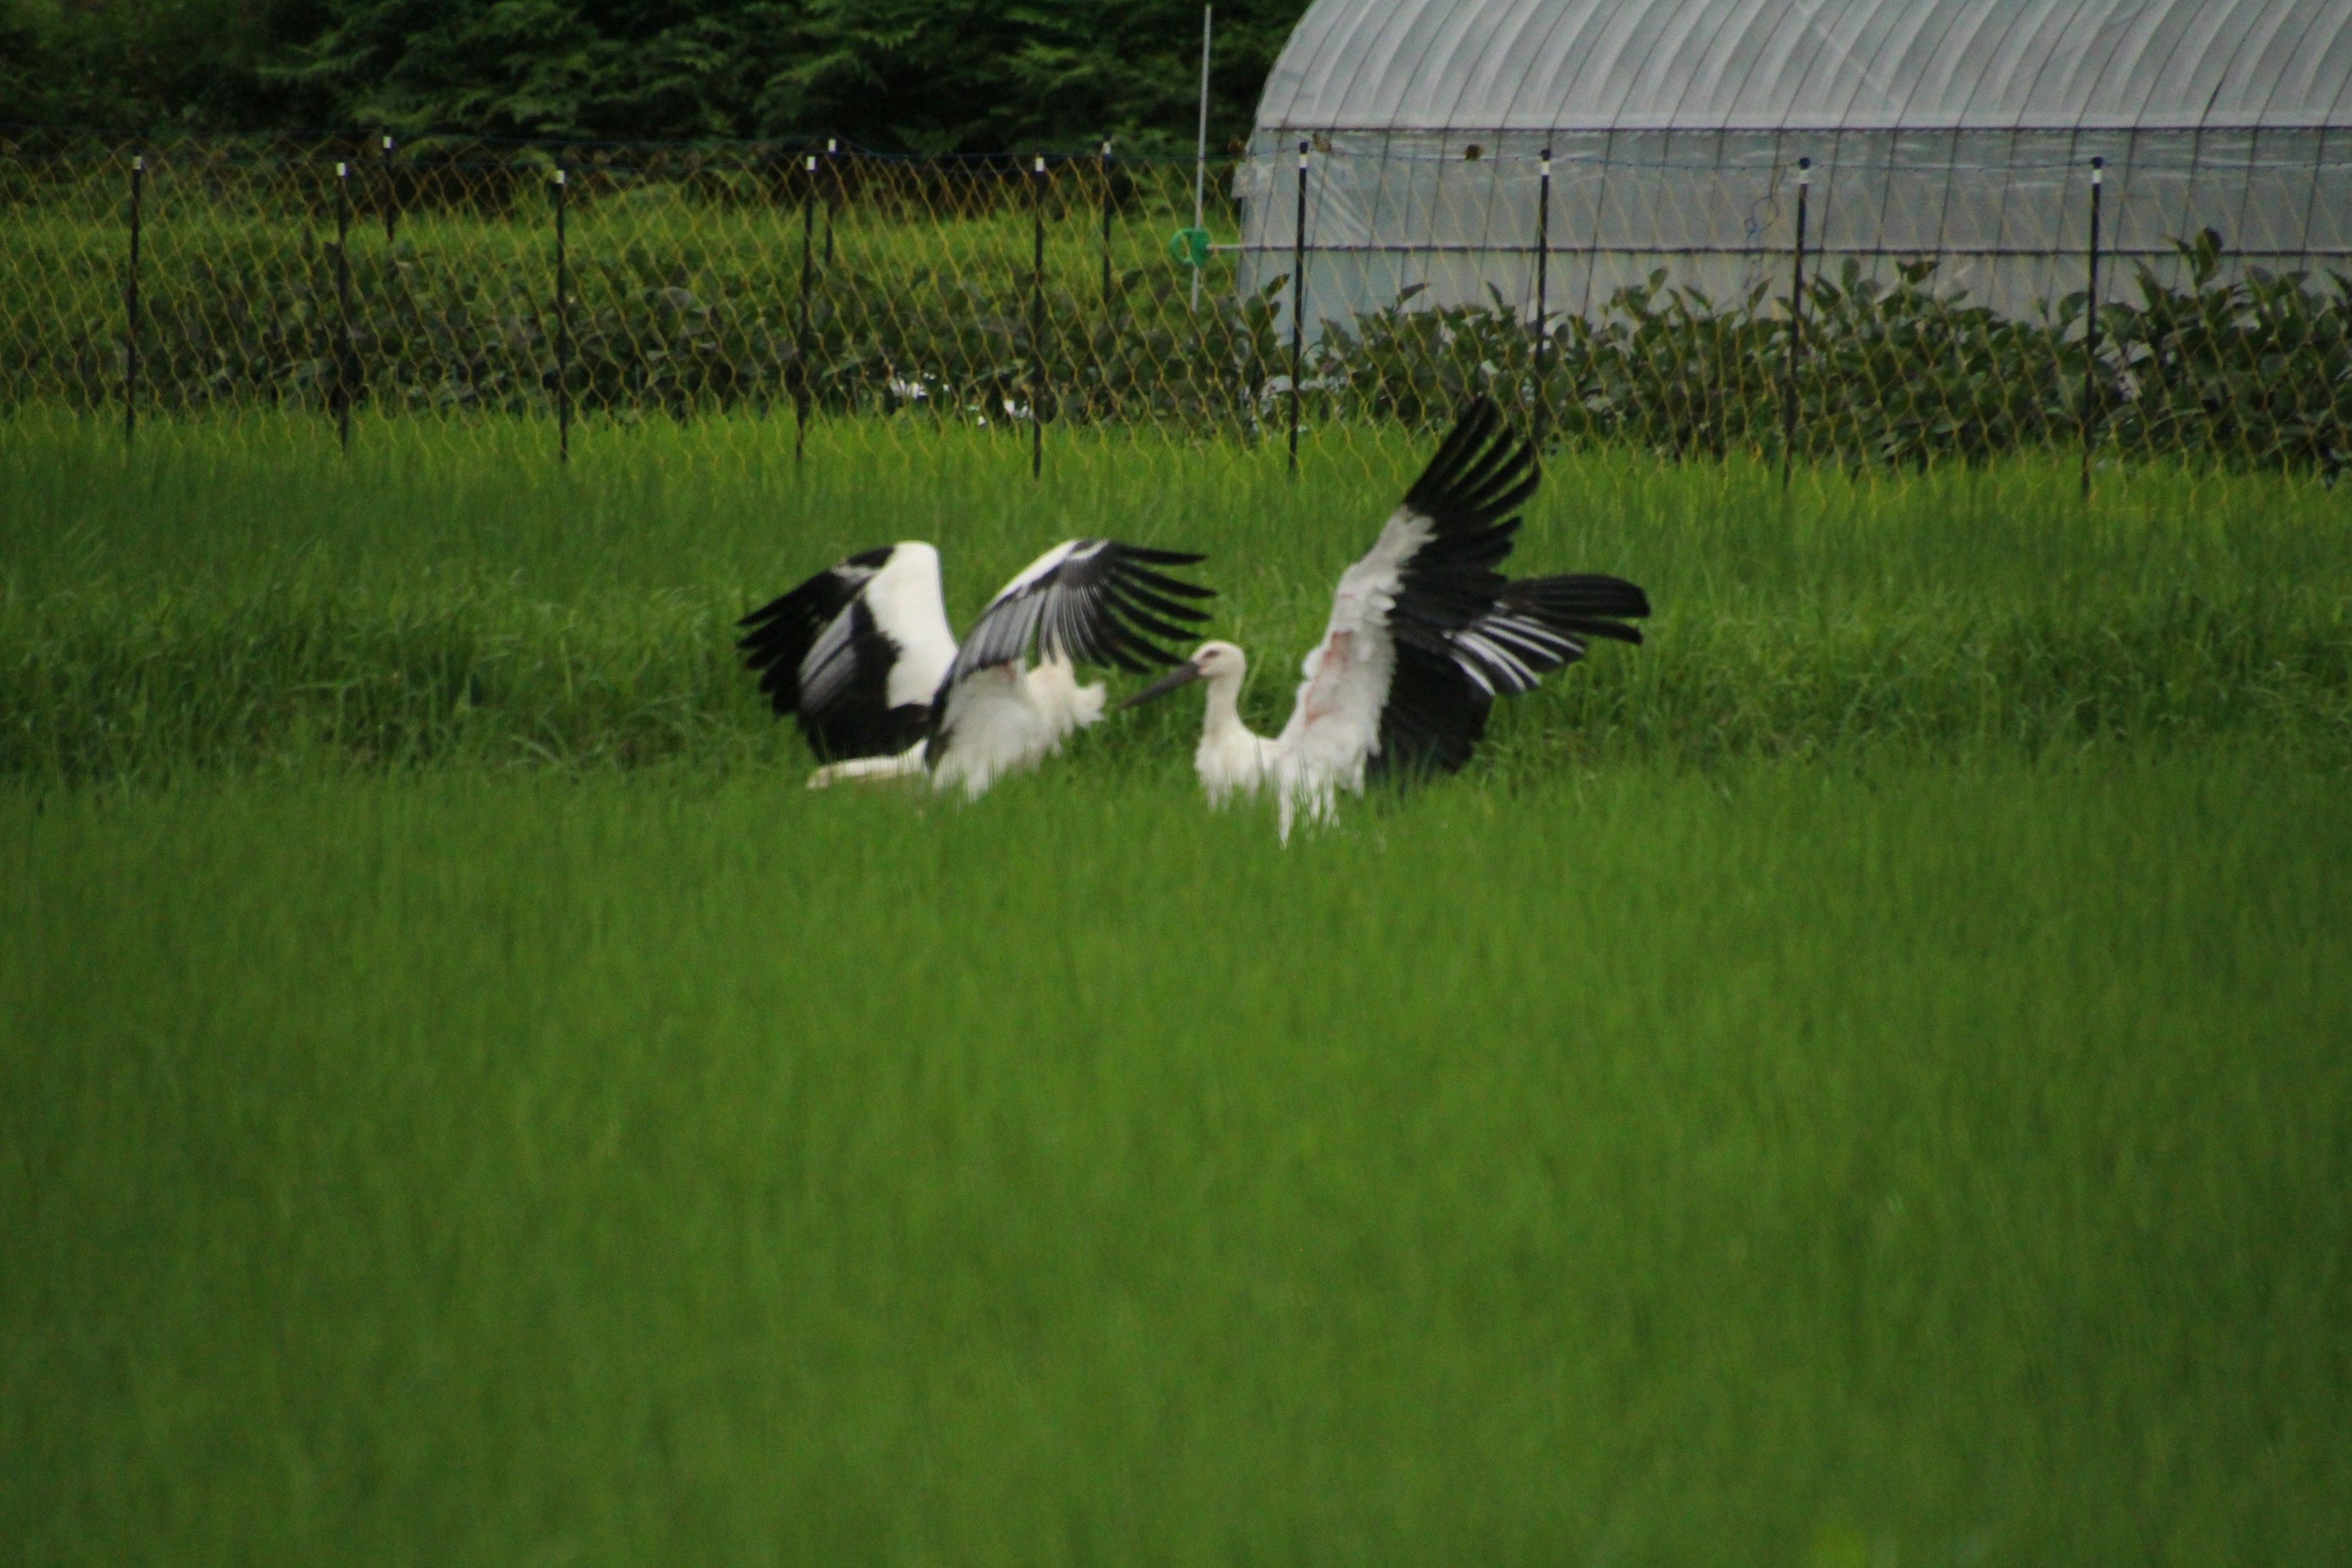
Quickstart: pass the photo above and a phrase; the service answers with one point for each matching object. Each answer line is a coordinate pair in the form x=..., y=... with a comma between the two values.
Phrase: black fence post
x=131, y=311
x=1543, y=281
x=1297, y=302
x=563, y=321
x=1796, y=328
x=1105, y=228
x=391, y=192
x=1037, y=325
x=343, y=394
x=2090, y=331
x=832, y=195
x=1104, y=345
x=808, y=281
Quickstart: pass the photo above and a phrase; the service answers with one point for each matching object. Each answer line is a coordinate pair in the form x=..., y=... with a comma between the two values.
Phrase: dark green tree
x=899, y=75
x=150, y=65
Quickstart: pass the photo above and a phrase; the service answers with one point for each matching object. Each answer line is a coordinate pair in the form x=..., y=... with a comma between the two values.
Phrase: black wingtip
x=1582, y=605
x=765, y=614
x=1587, y=594
x=1480, y=472
x=1102, y=603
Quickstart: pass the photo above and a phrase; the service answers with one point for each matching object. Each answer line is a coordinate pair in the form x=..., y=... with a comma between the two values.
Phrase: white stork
x=1424, y=635
x=861, y=655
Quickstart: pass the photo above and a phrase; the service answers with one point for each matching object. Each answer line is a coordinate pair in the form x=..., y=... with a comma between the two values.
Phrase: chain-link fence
x=768, y=295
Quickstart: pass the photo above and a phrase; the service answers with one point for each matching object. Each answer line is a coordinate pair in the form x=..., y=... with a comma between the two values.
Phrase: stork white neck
x=1230, y=759
x=1225, y=708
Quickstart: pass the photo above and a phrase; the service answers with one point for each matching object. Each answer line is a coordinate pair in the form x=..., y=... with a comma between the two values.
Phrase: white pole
x=1201, y=149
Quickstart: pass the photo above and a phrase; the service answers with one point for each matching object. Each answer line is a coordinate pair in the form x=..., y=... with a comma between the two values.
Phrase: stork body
x=862, y=657
x=1004, y=718
x=1424, y=635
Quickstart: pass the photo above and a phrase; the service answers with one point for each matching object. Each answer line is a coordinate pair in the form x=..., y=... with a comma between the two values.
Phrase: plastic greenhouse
x=1958, y=131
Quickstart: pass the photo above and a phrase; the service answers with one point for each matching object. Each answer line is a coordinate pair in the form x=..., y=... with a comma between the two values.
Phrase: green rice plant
x=1866, y=1162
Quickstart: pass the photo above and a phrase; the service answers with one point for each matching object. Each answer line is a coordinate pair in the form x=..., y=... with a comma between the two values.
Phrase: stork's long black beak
x=1183, y=675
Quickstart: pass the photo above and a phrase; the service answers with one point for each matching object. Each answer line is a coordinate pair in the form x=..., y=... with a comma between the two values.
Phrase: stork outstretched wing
x=855, y=652
x=1090, y=601
x=1425, y=631
x=1438, y=701
x=1538, y=624
x=1386, y=677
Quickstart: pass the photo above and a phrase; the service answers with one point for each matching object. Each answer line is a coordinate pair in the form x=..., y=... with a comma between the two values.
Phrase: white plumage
x=1003, y=719
x=1231, y=759
x=861, y=655
x=1425, y=633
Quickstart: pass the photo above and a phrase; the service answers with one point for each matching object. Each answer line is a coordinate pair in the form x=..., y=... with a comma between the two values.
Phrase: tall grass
x=1780, y=1166
x=235, y=597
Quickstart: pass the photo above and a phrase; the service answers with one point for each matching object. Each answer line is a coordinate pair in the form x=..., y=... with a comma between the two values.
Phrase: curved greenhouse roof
x=1834, y=64
x=1456, y=144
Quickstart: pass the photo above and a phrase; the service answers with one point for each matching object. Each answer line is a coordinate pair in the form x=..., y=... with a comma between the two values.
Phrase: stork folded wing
x=780, y=634
x=855, y=653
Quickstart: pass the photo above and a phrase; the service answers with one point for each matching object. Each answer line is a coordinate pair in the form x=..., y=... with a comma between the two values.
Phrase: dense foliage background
x=931, y=76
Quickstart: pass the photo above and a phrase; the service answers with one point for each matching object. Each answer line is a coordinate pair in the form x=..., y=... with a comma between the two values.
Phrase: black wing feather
x=1474, y=479
x=778, y=635
x=1537, y=626
x=849, y=714
x=1464, y=634
x=1434, y=719
x=1101, y=604
x=1479, y=476
x=1435, y=713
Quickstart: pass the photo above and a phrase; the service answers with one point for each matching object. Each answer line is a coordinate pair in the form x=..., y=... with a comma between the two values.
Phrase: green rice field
x=1864, y=1079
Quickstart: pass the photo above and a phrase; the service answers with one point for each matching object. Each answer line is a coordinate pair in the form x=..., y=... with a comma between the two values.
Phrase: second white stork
x=862, y=655
x=1424, y=635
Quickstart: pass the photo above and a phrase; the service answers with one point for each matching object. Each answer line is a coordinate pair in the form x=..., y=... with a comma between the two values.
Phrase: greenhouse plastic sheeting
x=1958, y=131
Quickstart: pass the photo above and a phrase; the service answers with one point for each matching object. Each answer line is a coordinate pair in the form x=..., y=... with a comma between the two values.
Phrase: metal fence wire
x=754, y=294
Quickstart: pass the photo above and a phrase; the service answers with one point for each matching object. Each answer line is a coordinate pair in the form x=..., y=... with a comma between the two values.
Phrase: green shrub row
x=2254, y=371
